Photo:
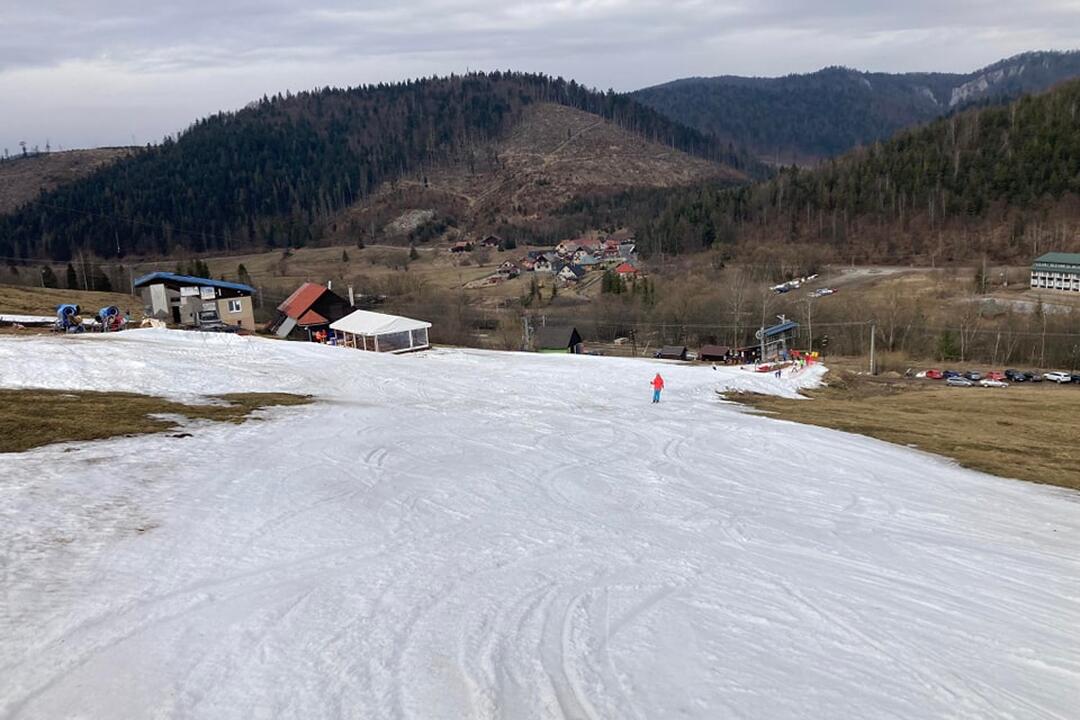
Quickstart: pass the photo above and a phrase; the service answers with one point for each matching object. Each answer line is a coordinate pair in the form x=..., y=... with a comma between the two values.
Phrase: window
x=235, y=306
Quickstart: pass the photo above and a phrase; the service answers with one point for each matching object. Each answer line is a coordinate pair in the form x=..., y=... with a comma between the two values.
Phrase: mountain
x=23, y=178
x=1003, y=181
x=284, y=170
x=800, y=119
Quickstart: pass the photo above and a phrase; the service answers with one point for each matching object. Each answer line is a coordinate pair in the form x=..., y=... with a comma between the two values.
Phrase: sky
x=87, y=73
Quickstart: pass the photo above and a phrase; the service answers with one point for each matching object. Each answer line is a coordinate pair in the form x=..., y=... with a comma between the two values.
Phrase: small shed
x=716, y=353
x=558, y=338
x=379, y=332
x=311, y=307
x=672, y=352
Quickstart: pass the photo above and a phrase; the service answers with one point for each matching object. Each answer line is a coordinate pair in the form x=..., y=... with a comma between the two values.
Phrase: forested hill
x=273, y=173
x=799, y=119
x=999, y=180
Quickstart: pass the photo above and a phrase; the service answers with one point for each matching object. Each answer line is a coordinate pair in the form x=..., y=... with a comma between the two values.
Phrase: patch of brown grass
x=33, y=418
x=1027, y=433
x=19, y=300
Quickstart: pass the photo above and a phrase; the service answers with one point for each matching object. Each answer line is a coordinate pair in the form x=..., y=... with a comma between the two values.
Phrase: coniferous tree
x=48, y=277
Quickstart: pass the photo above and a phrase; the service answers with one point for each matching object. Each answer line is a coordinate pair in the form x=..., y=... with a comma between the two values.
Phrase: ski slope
x=464, y=534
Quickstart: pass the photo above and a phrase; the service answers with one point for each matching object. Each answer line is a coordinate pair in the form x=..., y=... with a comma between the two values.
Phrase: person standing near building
x=657, y=387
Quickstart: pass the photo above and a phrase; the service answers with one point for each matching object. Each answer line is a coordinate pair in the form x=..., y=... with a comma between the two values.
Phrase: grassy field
x=43, y=301
x=1027, y=433
x=33, y=418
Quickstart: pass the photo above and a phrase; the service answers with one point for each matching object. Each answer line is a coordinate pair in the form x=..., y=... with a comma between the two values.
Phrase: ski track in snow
x=466, y=534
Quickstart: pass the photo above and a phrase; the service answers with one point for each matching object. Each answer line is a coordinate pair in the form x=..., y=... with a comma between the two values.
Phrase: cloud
x=139, y=54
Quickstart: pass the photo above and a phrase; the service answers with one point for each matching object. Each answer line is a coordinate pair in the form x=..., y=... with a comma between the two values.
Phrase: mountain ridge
x=804, y=118
x=278, y=172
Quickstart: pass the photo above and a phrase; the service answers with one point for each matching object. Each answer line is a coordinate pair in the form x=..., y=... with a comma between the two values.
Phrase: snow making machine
x=110, y=319
x=68, y=319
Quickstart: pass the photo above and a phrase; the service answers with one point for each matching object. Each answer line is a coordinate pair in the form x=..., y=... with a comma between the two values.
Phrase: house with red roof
x=627, y=270
x=308, y=310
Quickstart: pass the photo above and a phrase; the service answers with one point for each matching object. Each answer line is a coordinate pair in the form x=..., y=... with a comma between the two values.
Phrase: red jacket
x=658, y=382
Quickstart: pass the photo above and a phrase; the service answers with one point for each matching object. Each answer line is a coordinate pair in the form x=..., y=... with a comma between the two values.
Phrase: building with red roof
x=309, y=309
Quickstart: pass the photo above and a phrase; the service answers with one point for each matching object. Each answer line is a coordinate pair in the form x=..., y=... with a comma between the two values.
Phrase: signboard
x=188, y=291
x=207, y=293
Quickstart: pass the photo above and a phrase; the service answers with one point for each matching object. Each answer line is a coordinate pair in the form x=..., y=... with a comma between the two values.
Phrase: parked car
x=1014, y=375
x=987, y=382
x=949, y=374
x=1033, y=377
x=973, y=375
x=1058, y=377
x=958, y=381
x=932, y=374
x=995, y=375
x=1076, y=378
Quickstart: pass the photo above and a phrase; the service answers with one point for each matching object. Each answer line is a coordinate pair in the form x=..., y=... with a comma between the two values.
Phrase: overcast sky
x=82, y=73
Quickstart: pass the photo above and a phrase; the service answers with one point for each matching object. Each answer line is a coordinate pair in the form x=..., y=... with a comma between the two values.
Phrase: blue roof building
x=197, y=301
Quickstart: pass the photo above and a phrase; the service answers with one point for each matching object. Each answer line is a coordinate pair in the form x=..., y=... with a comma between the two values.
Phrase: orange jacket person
x=657, y=386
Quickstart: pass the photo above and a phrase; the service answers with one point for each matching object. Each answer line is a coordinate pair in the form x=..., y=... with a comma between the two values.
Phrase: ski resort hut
x=558, y=338
x=672, y=352
x=309, y=309
x=777, y=338
x=379, y=332
x=197, y=301
x=716, y=353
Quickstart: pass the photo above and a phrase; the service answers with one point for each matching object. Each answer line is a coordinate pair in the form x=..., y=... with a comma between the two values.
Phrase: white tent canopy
x=381, y=332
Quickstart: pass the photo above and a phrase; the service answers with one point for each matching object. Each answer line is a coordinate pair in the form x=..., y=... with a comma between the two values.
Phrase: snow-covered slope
x=461, y=534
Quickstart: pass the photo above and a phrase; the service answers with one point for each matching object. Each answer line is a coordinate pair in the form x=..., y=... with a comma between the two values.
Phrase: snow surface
x=464, y=534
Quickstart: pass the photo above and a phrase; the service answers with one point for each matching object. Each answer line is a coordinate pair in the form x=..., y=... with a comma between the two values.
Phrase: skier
x=778, y=372
x=657, y=386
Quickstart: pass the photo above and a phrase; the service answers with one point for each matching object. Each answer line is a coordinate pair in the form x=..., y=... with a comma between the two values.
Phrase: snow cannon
x=110, y=318
x=67, y=318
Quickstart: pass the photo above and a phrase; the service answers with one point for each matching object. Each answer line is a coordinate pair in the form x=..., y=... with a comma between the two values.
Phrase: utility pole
x=526, y=332
x=873, y=331
x=633, y=341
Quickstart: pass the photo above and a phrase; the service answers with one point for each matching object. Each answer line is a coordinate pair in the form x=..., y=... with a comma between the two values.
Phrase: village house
x=587, y=262
x=196, y=301
x=509, y=270
x=309, y=309
x=626, y=269
x=491, y=241
x=570, y=273
x=542, y=264
x=462, y=246
x=566, y=248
